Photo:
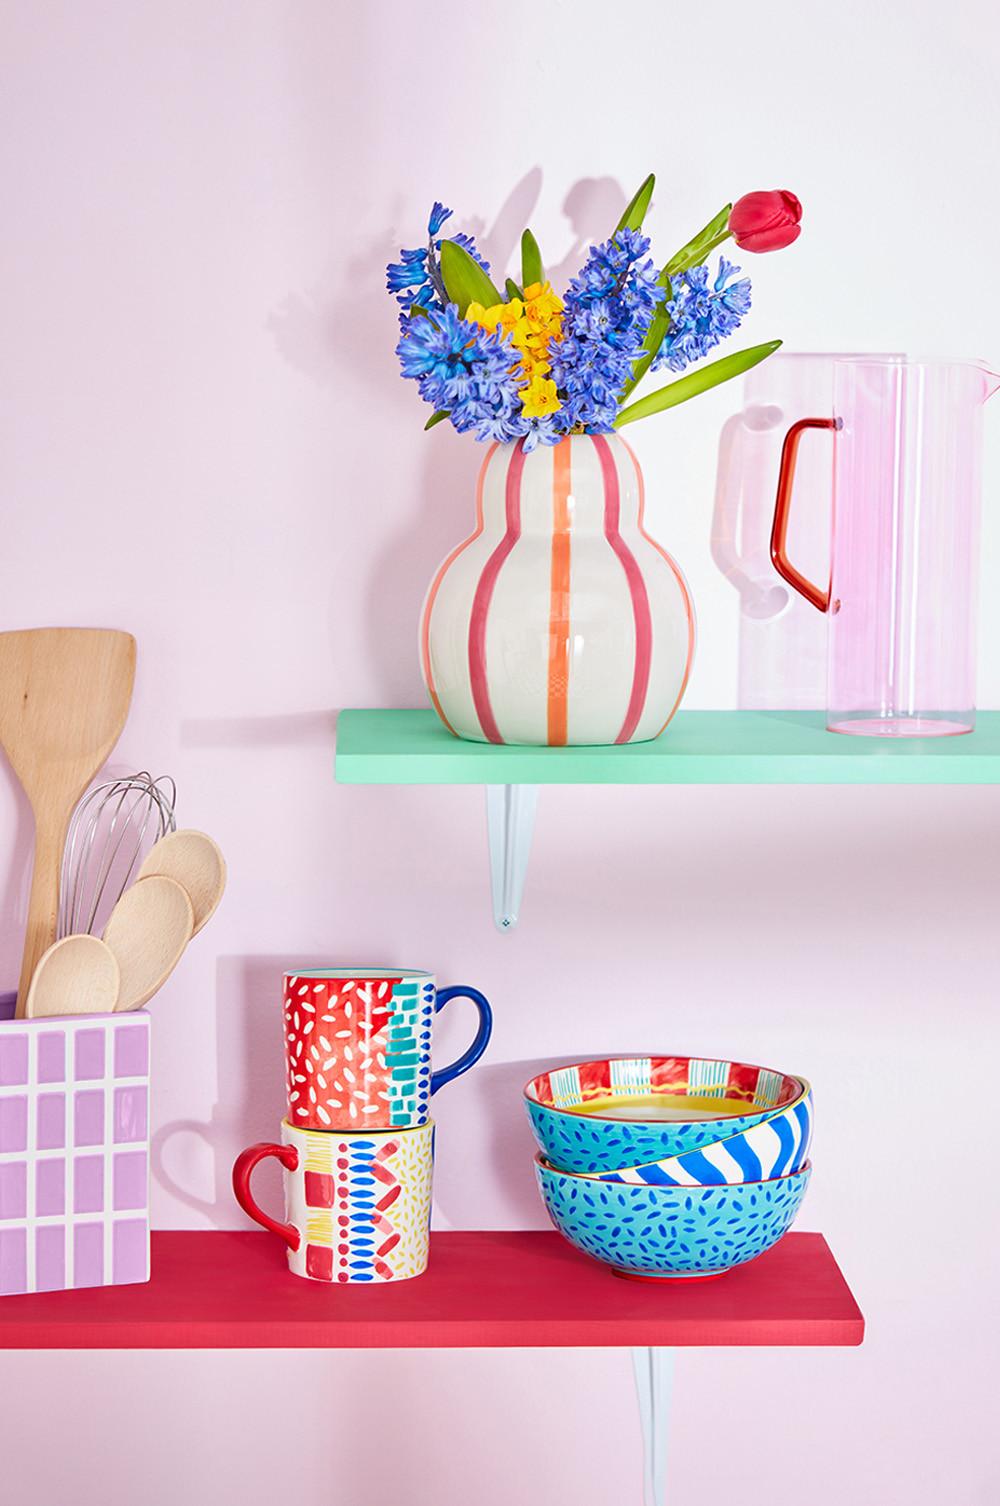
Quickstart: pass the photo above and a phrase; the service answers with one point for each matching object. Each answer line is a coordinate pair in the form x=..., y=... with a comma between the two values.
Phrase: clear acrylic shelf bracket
x=654, y=1382
x=510, y=816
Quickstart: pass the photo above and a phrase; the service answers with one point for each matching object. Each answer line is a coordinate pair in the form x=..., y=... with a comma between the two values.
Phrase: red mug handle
x=814, y=594
x=242, y=1168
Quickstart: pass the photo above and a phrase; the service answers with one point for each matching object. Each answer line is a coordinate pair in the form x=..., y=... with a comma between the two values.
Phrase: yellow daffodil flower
x=532, y=324
x=501, y=316
x=539, y=398
x=541, y=301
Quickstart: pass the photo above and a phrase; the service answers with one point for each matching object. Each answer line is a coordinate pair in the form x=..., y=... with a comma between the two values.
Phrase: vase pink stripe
x=425, y=629
x=688, y=604
x=484, y=595
x=559, y=606
x=636, y=586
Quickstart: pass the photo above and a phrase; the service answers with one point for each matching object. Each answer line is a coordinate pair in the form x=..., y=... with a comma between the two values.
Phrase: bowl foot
x=668, y=1275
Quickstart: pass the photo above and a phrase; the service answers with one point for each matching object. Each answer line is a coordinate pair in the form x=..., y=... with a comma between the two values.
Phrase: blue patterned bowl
x=579, y=1126
x=671, y=1231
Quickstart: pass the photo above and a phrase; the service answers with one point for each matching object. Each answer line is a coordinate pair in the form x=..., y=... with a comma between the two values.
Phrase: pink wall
x=204, y=440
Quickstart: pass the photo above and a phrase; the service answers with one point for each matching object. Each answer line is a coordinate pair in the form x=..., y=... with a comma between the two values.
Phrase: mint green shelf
x=699, y=747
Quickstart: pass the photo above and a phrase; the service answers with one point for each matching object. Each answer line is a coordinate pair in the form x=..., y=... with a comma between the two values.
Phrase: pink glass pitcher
x=904, y=557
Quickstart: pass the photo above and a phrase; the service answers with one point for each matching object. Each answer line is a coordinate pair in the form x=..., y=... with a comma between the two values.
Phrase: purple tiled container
x=74, y=1151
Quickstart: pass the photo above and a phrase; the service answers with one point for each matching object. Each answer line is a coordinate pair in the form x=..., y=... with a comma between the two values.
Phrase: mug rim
x=369, y=1134
x=359, y=974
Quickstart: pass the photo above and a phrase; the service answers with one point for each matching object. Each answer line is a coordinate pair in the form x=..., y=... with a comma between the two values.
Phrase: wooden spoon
x=78, y=975
x=64, y=697
x=196, y=862
x=147, y=931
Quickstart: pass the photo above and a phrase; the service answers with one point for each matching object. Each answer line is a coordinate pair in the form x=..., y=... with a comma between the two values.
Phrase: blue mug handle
x=482, y=1040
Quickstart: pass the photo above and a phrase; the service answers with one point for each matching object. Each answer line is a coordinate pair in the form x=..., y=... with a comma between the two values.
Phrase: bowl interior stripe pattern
x=623, y=1078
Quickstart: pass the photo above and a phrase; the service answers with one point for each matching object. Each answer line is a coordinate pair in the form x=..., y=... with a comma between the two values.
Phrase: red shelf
x=482, y=1290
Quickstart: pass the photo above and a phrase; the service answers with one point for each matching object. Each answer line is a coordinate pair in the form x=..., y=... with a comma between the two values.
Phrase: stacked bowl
x=664, y=1166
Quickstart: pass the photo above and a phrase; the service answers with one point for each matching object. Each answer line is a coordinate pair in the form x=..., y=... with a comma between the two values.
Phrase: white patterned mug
x=357, y=1207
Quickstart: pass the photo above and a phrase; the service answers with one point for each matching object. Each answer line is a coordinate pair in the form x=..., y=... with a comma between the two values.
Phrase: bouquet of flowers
x=530, y=364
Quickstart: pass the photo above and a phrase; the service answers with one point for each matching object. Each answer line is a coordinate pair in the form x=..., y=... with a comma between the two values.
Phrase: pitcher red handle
x=242, y=1168
x=782, y=505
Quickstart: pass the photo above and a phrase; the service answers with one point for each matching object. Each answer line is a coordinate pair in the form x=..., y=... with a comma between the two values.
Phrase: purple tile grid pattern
x=74, y=1152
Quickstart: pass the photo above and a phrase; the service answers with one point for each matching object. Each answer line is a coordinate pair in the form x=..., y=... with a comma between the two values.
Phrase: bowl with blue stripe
x=625, y=1112
x=663, y=1232
x=773, y=1148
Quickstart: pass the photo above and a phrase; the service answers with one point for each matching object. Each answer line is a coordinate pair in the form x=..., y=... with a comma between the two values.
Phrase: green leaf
x=436, y=418
x=464, y=279
x=512, y=290
x=531, y=260
x=696, y=382
x=635, y=211
x=699, y=246
x=691, y=255
x=658, y=326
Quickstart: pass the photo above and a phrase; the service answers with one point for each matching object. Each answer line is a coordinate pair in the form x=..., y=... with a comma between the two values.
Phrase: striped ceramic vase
x=559, y=620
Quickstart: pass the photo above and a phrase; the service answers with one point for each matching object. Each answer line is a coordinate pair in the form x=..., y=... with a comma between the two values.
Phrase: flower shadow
x=593, y=207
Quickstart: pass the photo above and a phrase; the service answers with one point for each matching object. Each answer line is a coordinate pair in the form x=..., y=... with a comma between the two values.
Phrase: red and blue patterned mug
x=358, y=1046
x=358, y=1207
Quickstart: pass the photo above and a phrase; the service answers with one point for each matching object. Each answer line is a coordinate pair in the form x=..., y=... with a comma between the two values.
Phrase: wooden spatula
x=64, y=697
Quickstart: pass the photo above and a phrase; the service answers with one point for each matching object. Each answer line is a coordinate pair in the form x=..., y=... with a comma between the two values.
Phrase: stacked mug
x=357, y=1143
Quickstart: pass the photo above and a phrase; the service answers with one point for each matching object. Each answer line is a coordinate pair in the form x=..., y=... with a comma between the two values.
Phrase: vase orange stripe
x=425, y=626
x=484, y=595
x=688, y=605
x=558, y=707
x=636, y=585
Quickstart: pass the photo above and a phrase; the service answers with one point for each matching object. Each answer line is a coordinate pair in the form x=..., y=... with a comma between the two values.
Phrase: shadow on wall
x=344, y=331
x=250, y=1088
x=491, y=1134
x=295, y=729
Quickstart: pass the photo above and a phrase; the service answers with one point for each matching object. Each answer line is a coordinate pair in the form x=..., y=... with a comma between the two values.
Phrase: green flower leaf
x=699, y=246
x=635, y=210
x=531, y=260
x=512, y=290
x=696, y=382
x=464, y=279
x=658, y=326
x=691, y=255
x=436, y=418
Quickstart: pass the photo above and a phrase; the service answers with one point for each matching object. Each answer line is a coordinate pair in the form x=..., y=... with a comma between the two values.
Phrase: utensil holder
x=74, y=1152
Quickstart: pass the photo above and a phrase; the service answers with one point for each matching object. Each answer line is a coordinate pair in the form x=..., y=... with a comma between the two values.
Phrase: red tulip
x=766, y=220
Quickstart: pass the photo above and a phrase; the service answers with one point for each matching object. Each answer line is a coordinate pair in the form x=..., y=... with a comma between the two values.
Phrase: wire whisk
x=111, y=830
